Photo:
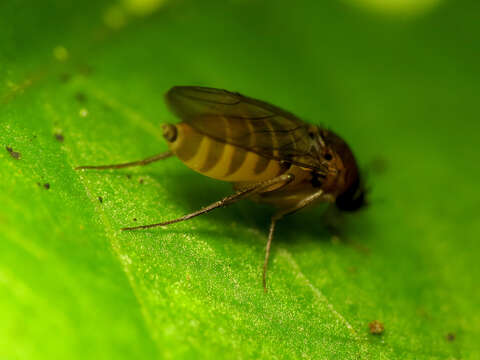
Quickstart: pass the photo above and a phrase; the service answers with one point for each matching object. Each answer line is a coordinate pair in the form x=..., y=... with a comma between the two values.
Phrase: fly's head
x=341, y=177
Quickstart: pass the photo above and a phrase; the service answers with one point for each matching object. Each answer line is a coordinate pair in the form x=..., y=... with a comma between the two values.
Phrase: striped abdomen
x=217, y=159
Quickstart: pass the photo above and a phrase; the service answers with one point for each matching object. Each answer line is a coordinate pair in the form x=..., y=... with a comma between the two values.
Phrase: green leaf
x=83, y=83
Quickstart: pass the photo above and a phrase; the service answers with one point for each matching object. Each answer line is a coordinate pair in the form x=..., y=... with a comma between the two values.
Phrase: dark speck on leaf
x=140, y=181
x=14, y=154
x=134, y=219
x=129, y=176
x=352, y=269
x=376, y=327
x=100, y=199
x=80, y=97
x=85, y=70
x=46, y=186
x=65, y=77
x=59, y=137
x=450, y=337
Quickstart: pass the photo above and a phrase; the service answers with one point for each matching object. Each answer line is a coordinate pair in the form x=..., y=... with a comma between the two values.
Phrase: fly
x=268, y=154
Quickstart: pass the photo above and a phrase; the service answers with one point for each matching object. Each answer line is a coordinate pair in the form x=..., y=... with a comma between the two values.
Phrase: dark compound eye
x=328, y=156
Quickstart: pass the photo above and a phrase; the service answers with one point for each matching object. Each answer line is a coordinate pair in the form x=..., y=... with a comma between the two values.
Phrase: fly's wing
x=248, y=123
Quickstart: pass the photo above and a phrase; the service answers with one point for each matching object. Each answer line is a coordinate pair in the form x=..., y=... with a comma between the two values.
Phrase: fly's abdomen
x=218, y=159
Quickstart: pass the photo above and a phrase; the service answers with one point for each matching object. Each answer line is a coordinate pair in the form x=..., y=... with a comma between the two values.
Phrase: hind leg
x=142, y=162
x=243, y=194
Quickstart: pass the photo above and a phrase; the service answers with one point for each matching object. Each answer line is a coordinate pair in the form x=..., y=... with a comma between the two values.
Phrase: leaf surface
x=83, y=84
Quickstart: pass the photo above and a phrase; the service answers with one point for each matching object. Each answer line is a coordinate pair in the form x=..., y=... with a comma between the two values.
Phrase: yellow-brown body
x=220, y=160
x=233, y=138
x=224, y=161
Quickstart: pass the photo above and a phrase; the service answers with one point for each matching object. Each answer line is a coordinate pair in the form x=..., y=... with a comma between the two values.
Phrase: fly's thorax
x=216, y=158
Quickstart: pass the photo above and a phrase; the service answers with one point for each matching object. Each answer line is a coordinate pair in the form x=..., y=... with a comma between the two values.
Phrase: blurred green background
x=83, y=83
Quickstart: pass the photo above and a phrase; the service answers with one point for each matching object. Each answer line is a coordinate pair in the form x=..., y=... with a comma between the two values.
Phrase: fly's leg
x=300, y=205
x=243, y=194
x=267, y=250
x=142, y=162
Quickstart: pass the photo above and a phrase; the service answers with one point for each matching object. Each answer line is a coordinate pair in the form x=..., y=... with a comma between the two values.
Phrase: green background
x=401, y=87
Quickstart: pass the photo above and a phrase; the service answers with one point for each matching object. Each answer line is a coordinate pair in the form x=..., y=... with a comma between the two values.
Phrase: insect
x=268, y=154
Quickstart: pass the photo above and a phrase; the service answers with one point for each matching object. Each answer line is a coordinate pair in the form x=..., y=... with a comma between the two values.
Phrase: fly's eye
x=328, y=156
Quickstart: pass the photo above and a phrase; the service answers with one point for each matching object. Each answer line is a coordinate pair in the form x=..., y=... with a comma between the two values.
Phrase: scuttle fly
x=268, y=154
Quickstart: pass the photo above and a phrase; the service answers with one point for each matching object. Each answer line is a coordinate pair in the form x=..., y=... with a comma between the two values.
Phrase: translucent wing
x=248, y=123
